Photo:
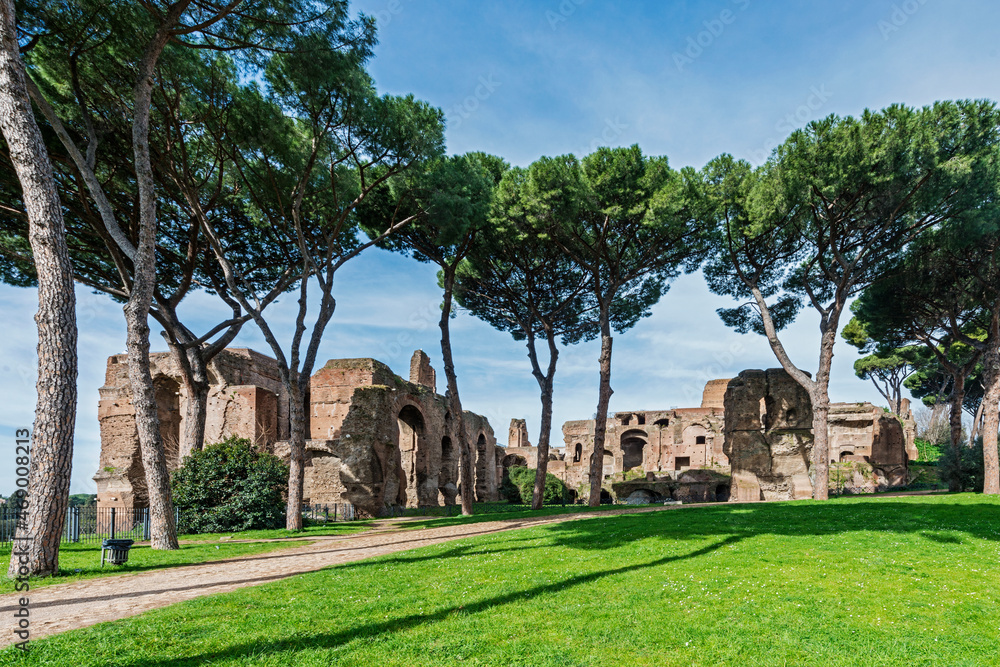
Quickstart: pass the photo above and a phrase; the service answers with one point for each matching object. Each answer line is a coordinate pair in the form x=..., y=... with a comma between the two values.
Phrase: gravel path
x=63, y=607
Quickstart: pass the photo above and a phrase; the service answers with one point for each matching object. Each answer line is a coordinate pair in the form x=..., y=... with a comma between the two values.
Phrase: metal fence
x=329, y=512
x=91, y=525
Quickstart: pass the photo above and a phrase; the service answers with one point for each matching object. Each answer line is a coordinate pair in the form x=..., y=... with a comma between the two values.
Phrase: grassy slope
x=858, y=581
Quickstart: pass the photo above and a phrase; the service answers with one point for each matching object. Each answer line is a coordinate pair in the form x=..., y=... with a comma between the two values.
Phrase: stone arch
x=609, y=463
x=447, y=482
x=844, y=454
x=577, y=452
x=633, y=444
x=642, y=497
x=662, y=423
x=413, y=454
x=167, y=393
x=513, y=461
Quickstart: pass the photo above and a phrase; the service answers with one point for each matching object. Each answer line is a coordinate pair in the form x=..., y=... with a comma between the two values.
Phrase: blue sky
x=524, y=79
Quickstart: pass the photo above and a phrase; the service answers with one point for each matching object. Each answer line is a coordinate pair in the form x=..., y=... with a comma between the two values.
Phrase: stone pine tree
x=631, y=223
x=44, y=506
x=184, y=262
x=946, y=294
x=449, y=202
x=921, y=301
x=887, y=369
x=830, y=211
x=308, y=143
x=139, y=34
x=524, y=285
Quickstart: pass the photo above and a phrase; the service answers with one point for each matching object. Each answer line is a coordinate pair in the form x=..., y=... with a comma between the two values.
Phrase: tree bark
x=467, y=478
x=296, y=456
x=977, y=421
x=821, y=444
x=47, y=496
x=545, y=382
x=991, y=408
x=601, y=420
x=955, y=418
x=162, y=528
x=196, y=408
x=819, y=395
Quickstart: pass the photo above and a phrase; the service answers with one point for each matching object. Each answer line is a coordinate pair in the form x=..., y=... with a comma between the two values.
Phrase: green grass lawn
x=83, y=561
x=854, y=581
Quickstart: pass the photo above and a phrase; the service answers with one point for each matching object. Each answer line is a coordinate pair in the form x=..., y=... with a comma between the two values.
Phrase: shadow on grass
x=941, y=521
x=335, y=639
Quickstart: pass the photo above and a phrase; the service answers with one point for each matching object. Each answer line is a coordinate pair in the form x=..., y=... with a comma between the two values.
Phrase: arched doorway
x=448, y=477
x=482, y=469
x=633, y=445
x=609, y=464
x=577, y=453
x=167, y=393
x=413, y=456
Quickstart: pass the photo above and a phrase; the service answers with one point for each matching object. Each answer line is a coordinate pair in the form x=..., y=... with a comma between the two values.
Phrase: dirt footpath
x=63, y=607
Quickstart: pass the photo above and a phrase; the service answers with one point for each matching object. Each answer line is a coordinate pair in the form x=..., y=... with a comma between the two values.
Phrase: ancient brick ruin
x=769, y=440
x=374, y=438
x=751, y=439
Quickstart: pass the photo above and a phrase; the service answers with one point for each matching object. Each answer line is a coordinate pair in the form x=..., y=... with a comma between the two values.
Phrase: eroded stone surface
x=374, y=438
x=769, y=440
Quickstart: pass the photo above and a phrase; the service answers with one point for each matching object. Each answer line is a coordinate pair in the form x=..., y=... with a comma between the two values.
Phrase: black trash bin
x=116, y=550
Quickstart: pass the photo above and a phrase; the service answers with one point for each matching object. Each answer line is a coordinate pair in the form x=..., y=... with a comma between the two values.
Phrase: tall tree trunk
x=296, y=454
x=194, y=381
x=36, y=543
x=821, y=444
x=955, y=418
x=466, y=462
x=819, y=395
x=601, y=420
x=545, y=383
x=991, y=409
x=196, y=408
x=977, y=421
x=162, y=528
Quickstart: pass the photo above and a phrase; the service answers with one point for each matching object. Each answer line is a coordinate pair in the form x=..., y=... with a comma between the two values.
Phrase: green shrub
x=964, y=468
x=519, y=486
x=230, y=486
x=929, y=451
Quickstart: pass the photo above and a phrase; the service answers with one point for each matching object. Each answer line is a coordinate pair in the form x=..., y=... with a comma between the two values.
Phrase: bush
x=964, y=468
x=230, y=486
x=929, y=451
x=519, y=486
